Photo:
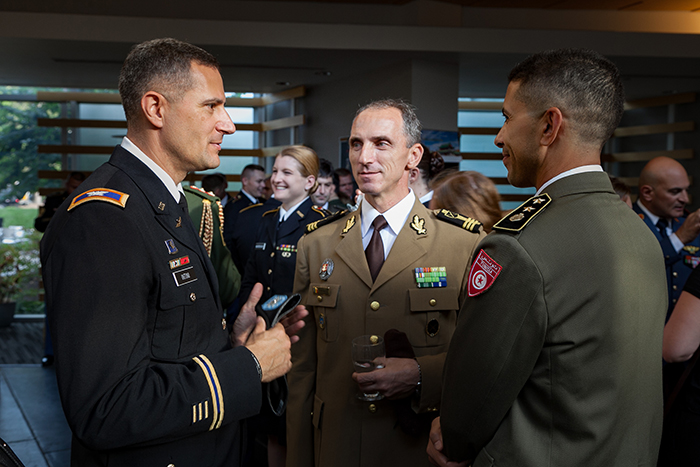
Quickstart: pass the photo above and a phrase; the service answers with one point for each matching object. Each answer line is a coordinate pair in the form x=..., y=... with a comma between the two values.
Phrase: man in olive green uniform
x=417, y=291
x=556, y=357
x=207, y=215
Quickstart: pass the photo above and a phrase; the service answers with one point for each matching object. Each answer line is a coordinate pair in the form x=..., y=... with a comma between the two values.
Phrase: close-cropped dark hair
x=161, y=65
x=325, y=168
x=251, y=168
x=583, y=84
x=431, y=164
x=214, y=180
x=411, y=125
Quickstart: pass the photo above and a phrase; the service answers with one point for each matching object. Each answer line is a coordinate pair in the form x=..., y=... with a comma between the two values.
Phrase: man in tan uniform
x=327, y=424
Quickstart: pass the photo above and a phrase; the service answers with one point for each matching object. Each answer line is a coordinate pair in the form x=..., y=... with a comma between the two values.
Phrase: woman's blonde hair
x=471, y=194
x=307, y=159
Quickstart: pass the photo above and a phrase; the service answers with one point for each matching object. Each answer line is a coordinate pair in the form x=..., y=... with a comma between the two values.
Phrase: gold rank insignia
x=327, y=220
x=516, y=220
x=418, y=224
x=691, y=249
x=467, y=223
x=348, y=224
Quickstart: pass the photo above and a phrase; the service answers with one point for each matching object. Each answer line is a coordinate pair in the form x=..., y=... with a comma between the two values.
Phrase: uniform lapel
x=350, y=249
x=407, y=248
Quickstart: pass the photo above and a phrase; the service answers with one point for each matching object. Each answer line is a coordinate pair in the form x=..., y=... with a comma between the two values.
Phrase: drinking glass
x=365, y=352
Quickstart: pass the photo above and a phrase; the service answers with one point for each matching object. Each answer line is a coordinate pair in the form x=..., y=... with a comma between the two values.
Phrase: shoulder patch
x=467, y=223
x=273, y=211
x=249, y=207
x=517, y=219
x=326, y=220
x=100, y=194
x=200, y=192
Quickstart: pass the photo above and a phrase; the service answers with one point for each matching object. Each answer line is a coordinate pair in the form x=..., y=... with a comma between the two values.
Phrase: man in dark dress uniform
x=146, y=372
x=555, y=359
x=53, y=201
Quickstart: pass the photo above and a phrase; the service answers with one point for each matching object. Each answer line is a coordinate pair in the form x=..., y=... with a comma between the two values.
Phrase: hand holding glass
x=365, y=352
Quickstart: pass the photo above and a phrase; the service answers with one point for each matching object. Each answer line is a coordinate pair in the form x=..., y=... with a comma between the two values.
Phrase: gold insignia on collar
x=178, y=223
x=528, y=209
x=518, y=217
x=538, y=200
x=161, y=205
x=418, y=225
x=349, y=224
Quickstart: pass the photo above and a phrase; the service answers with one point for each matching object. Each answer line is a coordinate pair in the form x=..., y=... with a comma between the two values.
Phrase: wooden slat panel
x=645, y=156
x=293, y=93
x=685, y=98
x=478, y=131
x=96, y=97
x=480, y=105
x=280, y=123
x=486, y=156
x=654, y=129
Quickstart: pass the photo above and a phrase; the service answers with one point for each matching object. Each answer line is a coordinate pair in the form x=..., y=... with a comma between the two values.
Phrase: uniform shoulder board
x=517, y=219
x=200, y=192
x=273, y=211
x=100, y=194
x=326, y=220
x=321, y=211
x=250, y=207
x=467, y=223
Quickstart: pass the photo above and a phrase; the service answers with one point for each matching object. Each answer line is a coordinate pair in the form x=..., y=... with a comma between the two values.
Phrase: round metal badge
x=326, y=269
x=432, y=328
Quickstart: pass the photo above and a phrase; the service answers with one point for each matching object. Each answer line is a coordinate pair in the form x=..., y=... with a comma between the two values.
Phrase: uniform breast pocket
x=176, y=327
x=433, y=315
x=323, y=299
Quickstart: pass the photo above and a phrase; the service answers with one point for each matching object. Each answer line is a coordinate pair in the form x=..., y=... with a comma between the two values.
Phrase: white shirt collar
x=249, y=196
x=175, y=190
x=396, y=215
x=574, y=171
x=284, y=215
x=653, y=218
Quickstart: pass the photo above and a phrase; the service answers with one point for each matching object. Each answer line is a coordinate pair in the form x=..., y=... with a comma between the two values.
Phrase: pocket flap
x=433, y=299
x=322, y=294
x=317, y=414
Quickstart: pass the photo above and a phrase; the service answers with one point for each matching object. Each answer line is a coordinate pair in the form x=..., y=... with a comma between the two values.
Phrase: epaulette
x=200, y=192
x=321, y=211
x=251, y=206
x=100, y=194
x=467, y=223
x=326, y=220
x=273, y=211
x=517, y=219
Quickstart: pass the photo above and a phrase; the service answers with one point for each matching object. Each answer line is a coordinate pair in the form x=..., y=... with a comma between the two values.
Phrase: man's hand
x=690, y=229
x=399, y=378
x=435, y=447
x=294, y=322
x=272, y=348
x=245, y=322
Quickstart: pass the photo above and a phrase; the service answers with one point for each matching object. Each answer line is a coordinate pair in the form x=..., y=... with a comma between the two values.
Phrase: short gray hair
x=411, y=125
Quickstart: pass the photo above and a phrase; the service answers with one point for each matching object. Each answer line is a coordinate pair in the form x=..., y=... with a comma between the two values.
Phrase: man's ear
x=551, y=121
x=413, y=175
x=152, y=104
x=646, y=192
x=414, y=156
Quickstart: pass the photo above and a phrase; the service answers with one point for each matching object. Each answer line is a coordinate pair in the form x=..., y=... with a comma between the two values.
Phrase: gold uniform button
x=374, y=306
x=675, y=274
x=372, y=408
x=433, y=302
x=272, y=255
x=320, y=299
x=269, y=271
x=193, y=297
x=674, y=300
x=223, y=323
x=675, y=287
x=171, y=465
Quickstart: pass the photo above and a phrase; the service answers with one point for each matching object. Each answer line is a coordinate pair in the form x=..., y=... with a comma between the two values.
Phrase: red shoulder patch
x=483, y=273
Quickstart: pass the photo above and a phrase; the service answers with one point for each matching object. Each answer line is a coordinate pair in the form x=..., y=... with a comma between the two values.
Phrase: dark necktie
x=662, y=225
x=375, y=248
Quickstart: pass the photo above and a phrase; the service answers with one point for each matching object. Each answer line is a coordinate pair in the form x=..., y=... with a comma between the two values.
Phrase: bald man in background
x=663, y=196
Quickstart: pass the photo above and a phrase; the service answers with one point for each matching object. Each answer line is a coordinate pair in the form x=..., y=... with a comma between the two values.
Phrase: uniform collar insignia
x=520, y=217
x=349, y=224
x=418, y=224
